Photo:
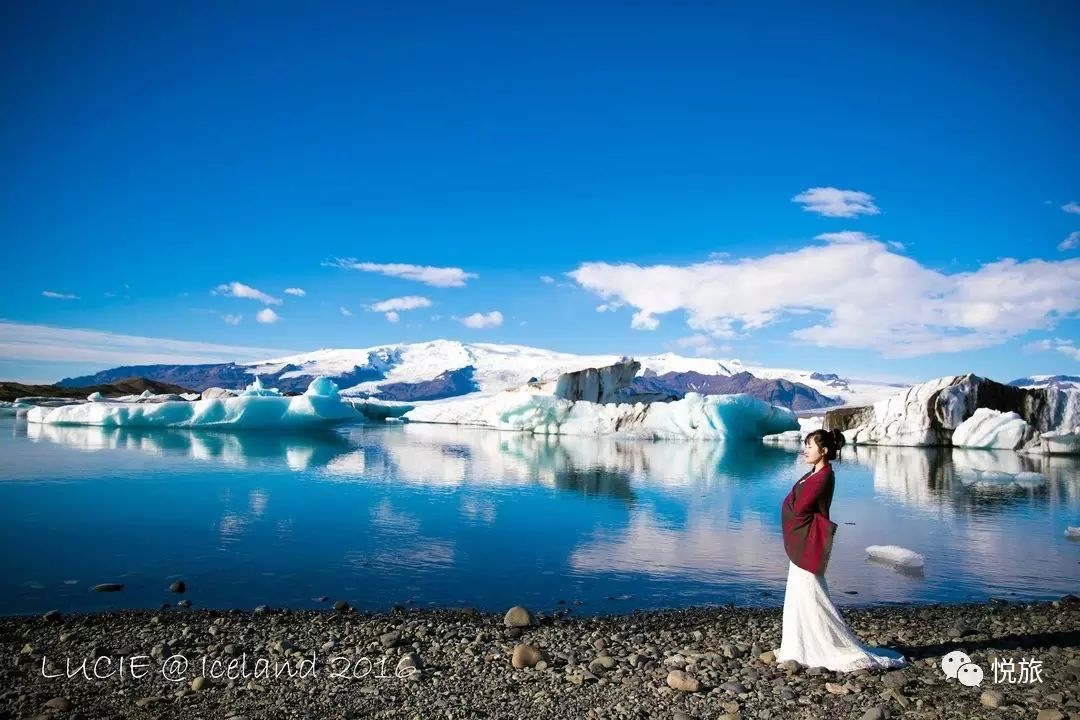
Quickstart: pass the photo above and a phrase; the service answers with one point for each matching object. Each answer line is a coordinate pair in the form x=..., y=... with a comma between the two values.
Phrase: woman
x=814, y=634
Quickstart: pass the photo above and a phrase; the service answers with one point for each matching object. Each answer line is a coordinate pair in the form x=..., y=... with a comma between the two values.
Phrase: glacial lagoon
x=448, y=516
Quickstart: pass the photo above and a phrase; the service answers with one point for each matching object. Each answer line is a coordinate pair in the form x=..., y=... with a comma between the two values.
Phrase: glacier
x=256, y=407
x=717, y=417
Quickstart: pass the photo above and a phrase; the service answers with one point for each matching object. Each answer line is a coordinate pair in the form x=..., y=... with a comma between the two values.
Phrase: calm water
x=438, y=515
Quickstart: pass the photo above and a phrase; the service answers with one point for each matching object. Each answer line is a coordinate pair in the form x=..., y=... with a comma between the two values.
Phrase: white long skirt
x=816, y=635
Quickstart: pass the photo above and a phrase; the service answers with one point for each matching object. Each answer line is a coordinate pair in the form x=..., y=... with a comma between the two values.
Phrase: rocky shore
x=696, y=663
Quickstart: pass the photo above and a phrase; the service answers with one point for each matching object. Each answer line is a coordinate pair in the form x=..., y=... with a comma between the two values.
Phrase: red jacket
x=808, y=531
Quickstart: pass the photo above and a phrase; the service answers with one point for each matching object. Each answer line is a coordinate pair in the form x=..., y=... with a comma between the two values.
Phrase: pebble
x=875, y=713
x=992, y=698
x=683, y=682
x=59, y=703
x=1050, y=714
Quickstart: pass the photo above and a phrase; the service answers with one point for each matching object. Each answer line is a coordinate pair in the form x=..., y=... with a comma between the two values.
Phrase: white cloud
x=20, y=341
x=833, y=202
x=240, y=290
x=1070, y=243
x=851, y=292
x=1062, y=345
x=644, y=321
x=700, y=345
x=58, y=296
x=482, y=320
x=232, y=319
x=547, y=279
x=429, y=275
x=407, y=302
x=1071, y=207
x=608, y=307
x=345, y=311
x=393, y=306
x=298, y=292
x=268, y=316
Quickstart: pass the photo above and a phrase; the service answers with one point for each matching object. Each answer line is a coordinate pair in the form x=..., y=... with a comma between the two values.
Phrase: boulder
x=517, y=616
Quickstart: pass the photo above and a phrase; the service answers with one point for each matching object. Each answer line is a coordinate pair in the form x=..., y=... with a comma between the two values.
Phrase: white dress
x=816, y=635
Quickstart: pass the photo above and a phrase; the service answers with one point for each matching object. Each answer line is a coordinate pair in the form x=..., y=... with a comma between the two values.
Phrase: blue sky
x=644, y=158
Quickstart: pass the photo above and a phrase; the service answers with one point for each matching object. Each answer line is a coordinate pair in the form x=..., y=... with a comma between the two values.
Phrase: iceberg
x=696, y=416
x=992, y=429
x=1056, y=442
x=256, y=407
x=895, y=555
x=931, y=413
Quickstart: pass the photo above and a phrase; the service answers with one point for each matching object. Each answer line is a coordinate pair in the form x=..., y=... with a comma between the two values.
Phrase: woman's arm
x=812, y=491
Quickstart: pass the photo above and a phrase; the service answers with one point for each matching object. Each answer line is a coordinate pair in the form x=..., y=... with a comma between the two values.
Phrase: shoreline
x=695, y=662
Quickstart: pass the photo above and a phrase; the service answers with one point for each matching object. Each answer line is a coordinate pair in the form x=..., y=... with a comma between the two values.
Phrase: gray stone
x=895, y=679
x=992, y=698
x=875, y=713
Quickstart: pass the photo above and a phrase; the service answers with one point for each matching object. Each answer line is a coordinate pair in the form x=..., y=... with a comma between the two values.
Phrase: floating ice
x=992, y=429
x=1072, y=532
x=258, y=407
x=895, y=555
x=256, y=389
x=1058, y=442
x=695, y=416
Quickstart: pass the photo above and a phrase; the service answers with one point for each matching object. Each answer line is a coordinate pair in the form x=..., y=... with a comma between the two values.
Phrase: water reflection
x=445, y=514
x=300, y=451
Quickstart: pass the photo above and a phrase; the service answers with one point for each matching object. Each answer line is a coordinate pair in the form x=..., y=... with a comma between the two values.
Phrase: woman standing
x=814, y=634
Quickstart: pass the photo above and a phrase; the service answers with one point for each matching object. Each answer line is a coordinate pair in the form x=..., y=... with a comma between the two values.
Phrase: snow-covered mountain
x=448, y=368
x=1061, y=382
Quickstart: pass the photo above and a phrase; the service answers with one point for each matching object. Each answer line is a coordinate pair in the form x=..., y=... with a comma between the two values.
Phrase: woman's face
x=812, y=452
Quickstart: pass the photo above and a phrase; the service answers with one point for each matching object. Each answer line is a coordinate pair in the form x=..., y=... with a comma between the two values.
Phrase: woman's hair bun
x=830, y=442
x=837, y=438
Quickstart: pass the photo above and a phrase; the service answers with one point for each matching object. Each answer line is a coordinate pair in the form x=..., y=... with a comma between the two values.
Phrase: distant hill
x=1061, y=382
x=125, y=386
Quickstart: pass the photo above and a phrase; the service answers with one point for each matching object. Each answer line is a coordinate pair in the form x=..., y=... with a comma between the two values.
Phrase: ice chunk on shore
x=895, y=555
x=695, y=416
x=258, y=407
x=992, y=429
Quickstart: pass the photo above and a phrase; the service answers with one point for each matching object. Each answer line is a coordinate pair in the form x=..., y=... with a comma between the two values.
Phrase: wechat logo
x=958, y=666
